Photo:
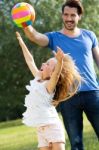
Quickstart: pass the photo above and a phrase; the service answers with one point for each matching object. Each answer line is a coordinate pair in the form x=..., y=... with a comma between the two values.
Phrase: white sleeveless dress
x=39, y=110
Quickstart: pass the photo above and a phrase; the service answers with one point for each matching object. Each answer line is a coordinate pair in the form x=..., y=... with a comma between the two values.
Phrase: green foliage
x=14, y=73
x=9, y=124
x=91, y=18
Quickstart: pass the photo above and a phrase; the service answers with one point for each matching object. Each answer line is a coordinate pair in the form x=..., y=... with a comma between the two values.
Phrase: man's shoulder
x=53, y=32
x=88, y=33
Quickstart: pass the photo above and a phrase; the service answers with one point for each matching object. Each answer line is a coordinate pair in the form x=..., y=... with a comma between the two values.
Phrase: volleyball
x=23, y=14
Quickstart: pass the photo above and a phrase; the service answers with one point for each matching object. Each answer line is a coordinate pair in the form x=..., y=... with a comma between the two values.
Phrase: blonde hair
x=69, y=81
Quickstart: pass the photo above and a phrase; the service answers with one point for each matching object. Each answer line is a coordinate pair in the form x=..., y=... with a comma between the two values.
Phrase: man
x=82, y=45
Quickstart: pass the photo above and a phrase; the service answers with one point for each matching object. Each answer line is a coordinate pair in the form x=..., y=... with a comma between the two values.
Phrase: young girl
x=56, y=81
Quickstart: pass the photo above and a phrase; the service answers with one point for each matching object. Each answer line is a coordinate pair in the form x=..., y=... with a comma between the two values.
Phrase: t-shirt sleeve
x=50, y=37
x=94, y=40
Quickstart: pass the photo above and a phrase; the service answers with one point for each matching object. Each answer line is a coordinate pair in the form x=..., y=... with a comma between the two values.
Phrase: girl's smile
x=47, y=68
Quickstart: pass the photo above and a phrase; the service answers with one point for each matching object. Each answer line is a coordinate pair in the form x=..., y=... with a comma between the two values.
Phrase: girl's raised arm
x=27, y=55
x=59, y=55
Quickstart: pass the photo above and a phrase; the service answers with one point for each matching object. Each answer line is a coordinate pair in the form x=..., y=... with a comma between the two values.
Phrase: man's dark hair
x=74, y=3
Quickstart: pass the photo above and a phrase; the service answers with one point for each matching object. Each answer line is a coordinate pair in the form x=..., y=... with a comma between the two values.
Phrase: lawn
x=15, y=136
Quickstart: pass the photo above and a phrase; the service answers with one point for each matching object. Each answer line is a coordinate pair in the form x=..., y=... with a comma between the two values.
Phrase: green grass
x=15, y=136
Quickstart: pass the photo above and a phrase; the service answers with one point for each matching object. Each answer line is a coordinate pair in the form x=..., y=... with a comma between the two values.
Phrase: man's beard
x=70, y=27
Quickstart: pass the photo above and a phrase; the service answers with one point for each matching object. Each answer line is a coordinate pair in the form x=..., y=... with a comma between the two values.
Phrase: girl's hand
x=59, y=55
x=19, y=38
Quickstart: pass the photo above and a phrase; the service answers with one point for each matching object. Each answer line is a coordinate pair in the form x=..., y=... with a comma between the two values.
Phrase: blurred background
x=14, y=73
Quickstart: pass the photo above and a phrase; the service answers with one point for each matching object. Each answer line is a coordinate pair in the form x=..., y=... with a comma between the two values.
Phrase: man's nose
x=69, y=18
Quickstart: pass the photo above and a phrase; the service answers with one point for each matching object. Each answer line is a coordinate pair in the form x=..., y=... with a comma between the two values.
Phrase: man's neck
x=71, y=33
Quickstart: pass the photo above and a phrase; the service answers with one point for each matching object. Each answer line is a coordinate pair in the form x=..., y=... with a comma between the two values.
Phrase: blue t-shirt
x=80, y=48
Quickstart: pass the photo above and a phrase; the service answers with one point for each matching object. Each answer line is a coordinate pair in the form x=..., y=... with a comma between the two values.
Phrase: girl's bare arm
x=55, y=75
x=27, y=55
